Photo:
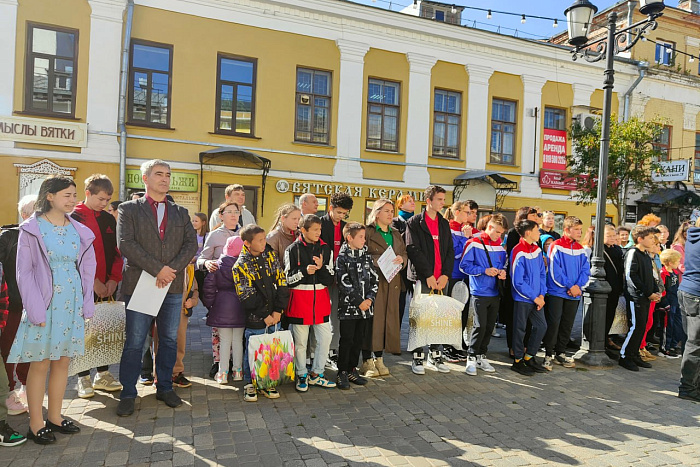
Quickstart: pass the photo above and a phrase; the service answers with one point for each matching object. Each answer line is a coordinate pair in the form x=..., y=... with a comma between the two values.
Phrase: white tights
x=231, y=340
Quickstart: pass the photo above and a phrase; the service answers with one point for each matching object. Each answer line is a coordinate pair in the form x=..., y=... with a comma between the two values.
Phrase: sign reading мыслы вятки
x=43, y=131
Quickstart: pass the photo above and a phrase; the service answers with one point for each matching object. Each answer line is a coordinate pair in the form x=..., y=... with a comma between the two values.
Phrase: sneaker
x=462, y=355
x=332, y=364
x=270, y=393
x=180, y=381
x=355, y=378
x=548, y=363
x=449, y=355
x=148, y=380
x=483, y=364
x=641, y=363
x=319, y=380
x=495, y=333
x=249, y=393
x=221, y=377
x=563, y=360
x=170, y=398
x=628, y=364
x=471, y=366
x=535, y=365
x=646, y=356
x=15, y=404
x=302, y=385
x=436, y=362
x=695, y=397
x=104, y=381
x=342, y=381
x=381, y=367
x=369, y=368
x=85, y=390
x=9, y=437
x=417, y=366
x=669, y=353
x=521, y=368
x=214, y=370
x=237, y=374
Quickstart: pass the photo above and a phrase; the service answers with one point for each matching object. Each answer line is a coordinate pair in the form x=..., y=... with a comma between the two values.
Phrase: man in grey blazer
x=154, y=235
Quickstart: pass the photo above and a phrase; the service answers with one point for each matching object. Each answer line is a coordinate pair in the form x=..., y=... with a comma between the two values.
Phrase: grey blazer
x=139, y=242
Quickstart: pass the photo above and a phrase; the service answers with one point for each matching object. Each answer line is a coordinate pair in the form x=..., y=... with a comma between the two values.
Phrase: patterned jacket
x=261, y=286
x=357, y=281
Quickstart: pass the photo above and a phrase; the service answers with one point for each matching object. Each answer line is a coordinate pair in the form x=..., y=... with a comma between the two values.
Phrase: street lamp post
x=579, y=16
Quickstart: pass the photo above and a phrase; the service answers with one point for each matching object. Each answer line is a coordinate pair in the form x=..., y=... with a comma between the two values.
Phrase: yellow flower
x=290, y=370
x=262, y=372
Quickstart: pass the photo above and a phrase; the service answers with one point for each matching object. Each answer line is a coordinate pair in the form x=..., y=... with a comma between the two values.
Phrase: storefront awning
x=672, y=196
x=235, y=157
x=501, y=184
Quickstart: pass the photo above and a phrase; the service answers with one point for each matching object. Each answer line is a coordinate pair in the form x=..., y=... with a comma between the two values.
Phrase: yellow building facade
x=233, y=74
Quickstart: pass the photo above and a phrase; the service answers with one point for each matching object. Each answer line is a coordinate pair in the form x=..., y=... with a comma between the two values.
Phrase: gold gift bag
x=434, y=319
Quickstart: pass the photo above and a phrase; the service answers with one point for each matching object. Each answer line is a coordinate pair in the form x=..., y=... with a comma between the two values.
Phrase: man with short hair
x=91, y=213
x=235, y=193
x=431, y=261
x=308, y=203
x=155, y=235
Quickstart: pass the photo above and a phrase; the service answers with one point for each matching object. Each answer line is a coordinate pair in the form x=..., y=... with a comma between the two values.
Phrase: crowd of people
x=320, y=278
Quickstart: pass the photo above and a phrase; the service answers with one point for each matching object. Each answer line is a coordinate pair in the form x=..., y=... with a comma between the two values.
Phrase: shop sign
x=179, y=181
x=37, y=130
x=554, y=149
x=672, y=171
x=557, y=180
x=189, y=201
x=283, y=186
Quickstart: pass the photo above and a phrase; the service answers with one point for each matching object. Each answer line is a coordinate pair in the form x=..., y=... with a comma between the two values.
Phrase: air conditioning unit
x=587, y=120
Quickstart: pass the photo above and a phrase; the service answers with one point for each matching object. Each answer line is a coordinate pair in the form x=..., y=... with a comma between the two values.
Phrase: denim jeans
x=690, y=365
x=246, y=335
x=137, y=327
x=300, y=333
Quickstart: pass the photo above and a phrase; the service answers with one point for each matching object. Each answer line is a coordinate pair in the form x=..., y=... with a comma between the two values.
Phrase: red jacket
x=4, y=300
x=104, y=226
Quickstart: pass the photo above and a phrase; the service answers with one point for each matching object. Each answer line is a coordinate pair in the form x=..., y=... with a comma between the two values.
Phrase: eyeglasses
x=539, y=214
x=237, y=213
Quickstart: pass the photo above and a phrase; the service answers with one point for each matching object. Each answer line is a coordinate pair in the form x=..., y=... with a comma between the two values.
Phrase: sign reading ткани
x=42, y=131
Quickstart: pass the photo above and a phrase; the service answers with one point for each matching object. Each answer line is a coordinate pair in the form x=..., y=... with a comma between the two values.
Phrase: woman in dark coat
x=386, y=327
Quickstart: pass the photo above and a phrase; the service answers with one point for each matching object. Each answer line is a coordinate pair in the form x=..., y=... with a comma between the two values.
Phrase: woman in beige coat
x=386, y=328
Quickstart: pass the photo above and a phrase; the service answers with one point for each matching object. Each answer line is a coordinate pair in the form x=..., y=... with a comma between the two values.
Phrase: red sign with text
x=557, y=180
x=554, y=149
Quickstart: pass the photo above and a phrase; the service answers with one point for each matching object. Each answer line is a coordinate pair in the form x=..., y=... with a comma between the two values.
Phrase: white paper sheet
x=386, y=264
x=147, y=297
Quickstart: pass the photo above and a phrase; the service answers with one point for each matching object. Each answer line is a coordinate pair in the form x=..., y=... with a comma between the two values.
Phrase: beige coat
x=386, y=328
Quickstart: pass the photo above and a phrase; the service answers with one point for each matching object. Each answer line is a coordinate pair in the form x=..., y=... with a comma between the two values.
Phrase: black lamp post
x=579, y=16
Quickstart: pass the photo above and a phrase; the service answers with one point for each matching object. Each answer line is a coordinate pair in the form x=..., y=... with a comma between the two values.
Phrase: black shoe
x=628, y=364
x=181, y=382
x=449, y=354
x=170, y=398
x=521, y=368
x=126, y=407
x=354, y=377
x=462, y=355
x=535, y=365
x=342, y=381
x=669, y=353
x=641, y=363
x=689, y=397
x=66, y=427
x=214, y=370
x=43, y=436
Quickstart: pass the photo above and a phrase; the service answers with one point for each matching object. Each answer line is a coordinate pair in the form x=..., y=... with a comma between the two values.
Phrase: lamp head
x=651, y=7
x=578, y=17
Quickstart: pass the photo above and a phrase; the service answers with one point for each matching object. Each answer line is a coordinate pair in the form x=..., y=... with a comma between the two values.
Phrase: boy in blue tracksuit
x=569, y=271
x=529, y=278
x=484, y=261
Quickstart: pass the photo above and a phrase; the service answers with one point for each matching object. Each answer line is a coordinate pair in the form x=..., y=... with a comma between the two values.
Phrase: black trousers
x=352, y=333
x=485, y=315
x=505, y=314
x=638, y=315
x=560, y=314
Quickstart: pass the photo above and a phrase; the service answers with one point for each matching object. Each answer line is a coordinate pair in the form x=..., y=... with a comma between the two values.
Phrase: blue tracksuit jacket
x=474, y=263
x=568, y=266
x=528, y=273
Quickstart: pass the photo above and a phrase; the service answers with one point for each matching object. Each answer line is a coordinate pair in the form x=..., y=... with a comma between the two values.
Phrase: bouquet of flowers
x=271, y=359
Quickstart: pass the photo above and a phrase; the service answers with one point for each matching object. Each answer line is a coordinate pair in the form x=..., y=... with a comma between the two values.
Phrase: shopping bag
x=434, y=319
x=620, y=324
x=104, y=338
x=460, y=292
x=271, y=359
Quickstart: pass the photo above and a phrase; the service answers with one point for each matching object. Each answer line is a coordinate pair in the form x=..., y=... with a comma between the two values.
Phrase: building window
x=665, y=53
x=383, y=115
x=52, y=56
x=696, y=164
x=554, y=119
x=235, y=95
x=313, y=106
x=149, y=94
x=663, y=143
x=446, y=123
x=503, y=131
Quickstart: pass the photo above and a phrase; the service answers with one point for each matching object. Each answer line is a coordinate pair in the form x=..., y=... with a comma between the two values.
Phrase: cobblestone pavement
x=569, y=416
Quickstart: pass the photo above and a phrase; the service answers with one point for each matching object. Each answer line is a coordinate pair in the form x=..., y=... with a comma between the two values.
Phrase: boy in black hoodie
x=641, y=289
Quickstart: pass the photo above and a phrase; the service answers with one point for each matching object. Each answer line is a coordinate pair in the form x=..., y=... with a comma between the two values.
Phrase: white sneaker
x=331, y=365
x=221, y=377
x=85, y=390
x=495, y=333
x=104, y=381
x=471, y=366
x=436, y=363
x=547, y=364
x=483, y=364
x=238, y=374
x=14, y=403
x=417, y=366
